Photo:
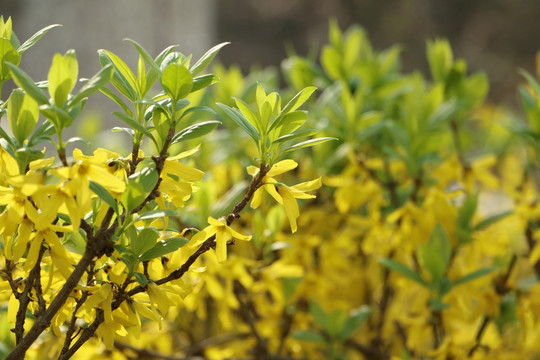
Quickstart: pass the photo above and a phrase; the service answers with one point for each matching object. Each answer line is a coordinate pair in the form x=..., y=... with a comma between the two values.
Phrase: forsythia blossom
x=223, y=234
x=283, y=194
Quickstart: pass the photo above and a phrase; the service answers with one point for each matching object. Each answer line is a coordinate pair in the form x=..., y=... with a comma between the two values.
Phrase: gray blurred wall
x=89, y=25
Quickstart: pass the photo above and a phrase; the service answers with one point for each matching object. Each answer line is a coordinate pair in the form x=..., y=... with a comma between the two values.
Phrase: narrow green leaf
x=201, y=82
x=197, y=108
x=122, y=68
x=435, y=254
x=206, y=59
x=355, y=318
x=239, y=119
x=59, y=117
x=6, y=137
x=195, y=131
x=104, y=195
x=474, y=275
x=97, y=82
x=141, y=278
x=532, y=81
x=35, y=38
x=491, y=220
x=308, y=143
x=298, y=100
x=126, y=87
x=145, y=55
x=135, y=125
x=164, y=247
x=295, y=135
x=309, y=335
x=403, y=270
x=27, y=84
x=249, y=115
x=156, y=214
x=318, y=314
x=107, y=92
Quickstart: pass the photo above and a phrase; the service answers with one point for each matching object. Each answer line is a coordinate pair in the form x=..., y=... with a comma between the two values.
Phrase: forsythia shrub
x=422, y=243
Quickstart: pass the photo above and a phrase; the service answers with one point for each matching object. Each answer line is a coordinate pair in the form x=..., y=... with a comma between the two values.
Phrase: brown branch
x=256, y=182
x=14, y=284
x=25, y=299
x=44, y=320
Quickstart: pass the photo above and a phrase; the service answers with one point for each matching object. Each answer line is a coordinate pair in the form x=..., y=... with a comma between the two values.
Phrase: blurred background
x=498, y=36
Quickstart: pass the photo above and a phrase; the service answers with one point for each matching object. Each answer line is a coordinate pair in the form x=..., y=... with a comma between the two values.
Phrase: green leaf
x=308, y=143
x=42, y=133
x=491, y=220
x=94, y=84
x=249, y=115
x=403, y=270
x=206, y=59
x=309, y=335
x=23, y=114
x=123, y=78
x=289, y=123
x=289, y=286
x=474, y=275
x=164, y=247
x=135, y=125
x=295, y=135
x=133, y=196
x=62, y=77
x=8, y=54
x=203, y=81
x=144, y=241
x=59, y=117
x=35, y=38
x=176, y=81
x=298, y=100
x=141, y=278
x=104, y=195
x=239, y=119
x=107, y=92
x=320, y=316
x=156, y=214
x=27, y=84
x=435, y=255
x=195, y=131
x=145, y=55
x=355, y=318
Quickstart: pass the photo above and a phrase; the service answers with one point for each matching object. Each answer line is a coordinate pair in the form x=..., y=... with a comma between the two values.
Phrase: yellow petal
x=185, y=153
x=221, y=245
x=256, y=199
x=271, y=189
x=182, y=171
x=291, y=207
x=309, y=185
x=202, y=235
x=235, y=234
x=216, y=222
x=41, y=163
x=282, y=167
x=23, y=237
x=106, y=179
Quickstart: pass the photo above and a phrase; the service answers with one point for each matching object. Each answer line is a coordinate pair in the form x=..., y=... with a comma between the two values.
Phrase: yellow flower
x=81, y=172
x=223, y=234
x=283, y=194
x=178, y=179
